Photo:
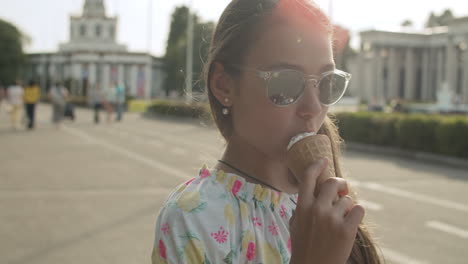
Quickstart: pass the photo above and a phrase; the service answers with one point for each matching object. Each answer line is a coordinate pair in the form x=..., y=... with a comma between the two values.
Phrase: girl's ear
x=221, y=85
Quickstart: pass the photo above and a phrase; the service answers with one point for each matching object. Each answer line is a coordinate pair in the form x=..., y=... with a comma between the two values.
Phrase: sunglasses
x=286, y=86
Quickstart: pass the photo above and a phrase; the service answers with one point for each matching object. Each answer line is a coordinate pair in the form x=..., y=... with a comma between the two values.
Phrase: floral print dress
x=218, y=217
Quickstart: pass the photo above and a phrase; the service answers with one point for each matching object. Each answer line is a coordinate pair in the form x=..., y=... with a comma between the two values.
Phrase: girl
x=270, y=75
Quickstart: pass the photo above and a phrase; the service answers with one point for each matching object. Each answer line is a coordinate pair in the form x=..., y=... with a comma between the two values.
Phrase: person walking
x=109, y=101
x=2, y=96
x=120, y=101
x=58, y=95
x=15, y=98
x=32, y=94
x=96, y=98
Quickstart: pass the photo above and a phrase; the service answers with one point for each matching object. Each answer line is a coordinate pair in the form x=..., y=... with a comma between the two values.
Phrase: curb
x=408, y=154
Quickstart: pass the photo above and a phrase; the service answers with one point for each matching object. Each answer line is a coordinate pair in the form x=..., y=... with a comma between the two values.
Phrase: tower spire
x=94, y=8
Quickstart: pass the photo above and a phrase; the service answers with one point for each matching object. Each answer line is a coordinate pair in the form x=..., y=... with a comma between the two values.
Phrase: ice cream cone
x=308, y=150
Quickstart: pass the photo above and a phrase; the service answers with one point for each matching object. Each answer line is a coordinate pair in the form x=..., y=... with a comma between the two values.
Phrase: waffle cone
x=307, y=151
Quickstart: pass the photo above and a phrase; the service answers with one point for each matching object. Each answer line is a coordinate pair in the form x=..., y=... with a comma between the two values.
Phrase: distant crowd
x=20, y=102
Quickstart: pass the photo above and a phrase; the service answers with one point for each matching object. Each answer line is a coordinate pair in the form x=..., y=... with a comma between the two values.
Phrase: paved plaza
x=90, y=193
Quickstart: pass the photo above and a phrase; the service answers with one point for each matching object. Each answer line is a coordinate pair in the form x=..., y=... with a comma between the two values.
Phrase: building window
x=98, y=30
x=83, y=30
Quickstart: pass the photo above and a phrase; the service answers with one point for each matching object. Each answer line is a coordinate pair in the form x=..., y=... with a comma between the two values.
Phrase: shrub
x=447, y=135
x=180, y=109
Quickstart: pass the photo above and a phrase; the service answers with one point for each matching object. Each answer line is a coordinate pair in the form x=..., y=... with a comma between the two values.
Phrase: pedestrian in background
x=32, y=95
x=2, y=96
x=109, y=101
x=15, y=98
x=58, y=95
x=96, y=98
x=120, y=100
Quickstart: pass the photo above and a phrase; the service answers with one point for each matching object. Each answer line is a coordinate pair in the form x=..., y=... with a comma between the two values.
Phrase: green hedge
x=447, y=135
x=180, y=109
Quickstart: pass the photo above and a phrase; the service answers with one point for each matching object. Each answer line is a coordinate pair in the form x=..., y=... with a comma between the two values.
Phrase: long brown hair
x=234, y=33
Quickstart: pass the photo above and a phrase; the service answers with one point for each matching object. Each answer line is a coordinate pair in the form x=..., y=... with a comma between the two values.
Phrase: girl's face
x=282, y=44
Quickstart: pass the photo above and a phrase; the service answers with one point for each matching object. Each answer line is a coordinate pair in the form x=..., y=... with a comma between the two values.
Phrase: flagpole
x=189, y=57
x=150, y=25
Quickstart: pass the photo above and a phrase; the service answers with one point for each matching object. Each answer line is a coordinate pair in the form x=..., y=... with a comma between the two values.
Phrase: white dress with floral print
x=218, y=217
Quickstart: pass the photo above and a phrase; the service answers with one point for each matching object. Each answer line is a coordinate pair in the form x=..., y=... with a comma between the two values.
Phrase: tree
x=407, y=23
x=177, y=47
x=342, y=49
x=443, y=20
x=12, y=58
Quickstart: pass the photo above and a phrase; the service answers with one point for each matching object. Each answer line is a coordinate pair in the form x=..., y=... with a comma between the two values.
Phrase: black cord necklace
x=251, y=177
x=247, y=175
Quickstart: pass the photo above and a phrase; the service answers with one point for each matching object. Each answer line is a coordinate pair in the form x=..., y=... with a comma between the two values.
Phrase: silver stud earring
x=225, y=109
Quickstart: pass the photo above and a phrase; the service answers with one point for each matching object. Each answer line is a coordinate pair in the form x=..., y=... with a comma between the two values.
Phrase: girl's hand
x=323, y=231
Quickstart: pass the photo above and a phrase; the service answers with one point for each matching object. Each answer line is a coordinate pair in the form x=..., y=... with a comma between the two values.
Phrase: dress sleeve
x=193, y=230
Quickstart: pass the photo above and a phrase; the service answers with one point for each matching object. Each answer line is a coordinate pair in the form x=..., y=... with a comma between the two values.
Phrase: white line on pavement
x=72, y=193
x=411, y=195
x=178, y=139
x=398, y=258
x=453, y=230
x=130, y=154
x=370, y=205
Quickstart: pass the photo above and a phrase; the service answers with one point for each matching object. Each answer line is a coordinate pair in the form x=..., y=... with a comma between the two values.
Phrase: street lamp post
x=150, y=26
x=189, y=57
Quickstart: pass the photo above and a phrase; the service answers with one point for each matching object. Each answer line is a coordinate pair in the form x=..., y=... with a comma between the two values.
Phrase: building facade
x=412, y=66
x=92, y=58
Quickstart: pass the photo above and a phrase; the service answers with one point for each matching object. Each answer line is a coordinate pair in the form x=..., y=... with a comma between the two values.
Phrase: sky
x=46, y=22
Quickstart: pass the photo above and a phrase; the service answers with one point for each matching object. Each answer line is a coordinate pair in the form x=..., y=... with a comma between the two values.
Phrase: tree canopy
x=175, y=57
x=441, y=20
x=12, y=57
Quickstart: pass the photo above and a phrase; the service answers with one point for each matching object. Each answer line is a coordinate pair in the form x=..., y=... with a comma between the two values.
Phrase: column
x=52, y=71
x=40, y=69
x=133, y=80
x=105, y=75
x=75, y=89
x=409, y=75
x=378, y=82
x=148, y=81
x=76, y=71
x=92, y=75
x=425, y=89
x=432, y=73
x=451, y=67
x=393, y=73
x=465, y=77
x=440, y=69
x=120, y=73
x=368, y=87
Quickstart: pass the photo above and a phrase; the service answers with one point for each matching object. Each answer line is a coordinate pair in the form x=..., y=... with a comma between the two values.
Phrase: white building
x=93, y=58
x=412, y=66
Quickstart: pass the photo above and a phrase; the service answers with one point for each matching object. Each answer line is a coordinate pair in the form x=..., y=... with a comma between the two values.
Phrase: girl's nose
x=309, y=103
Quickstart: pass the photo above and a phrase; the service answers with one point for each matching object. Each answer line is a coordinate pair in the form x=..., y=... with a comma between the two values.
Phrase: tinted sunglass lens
x=285, y=87
x=332, y=88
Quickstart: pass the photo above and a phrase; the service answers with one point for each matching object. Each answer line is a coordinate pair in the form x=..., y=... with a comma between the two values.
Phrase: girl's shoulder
x=221, y=190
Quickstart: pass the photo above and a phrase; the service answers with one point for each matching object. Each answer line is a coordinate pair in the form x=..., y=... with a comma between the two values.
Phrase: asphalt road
x=90, y=193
